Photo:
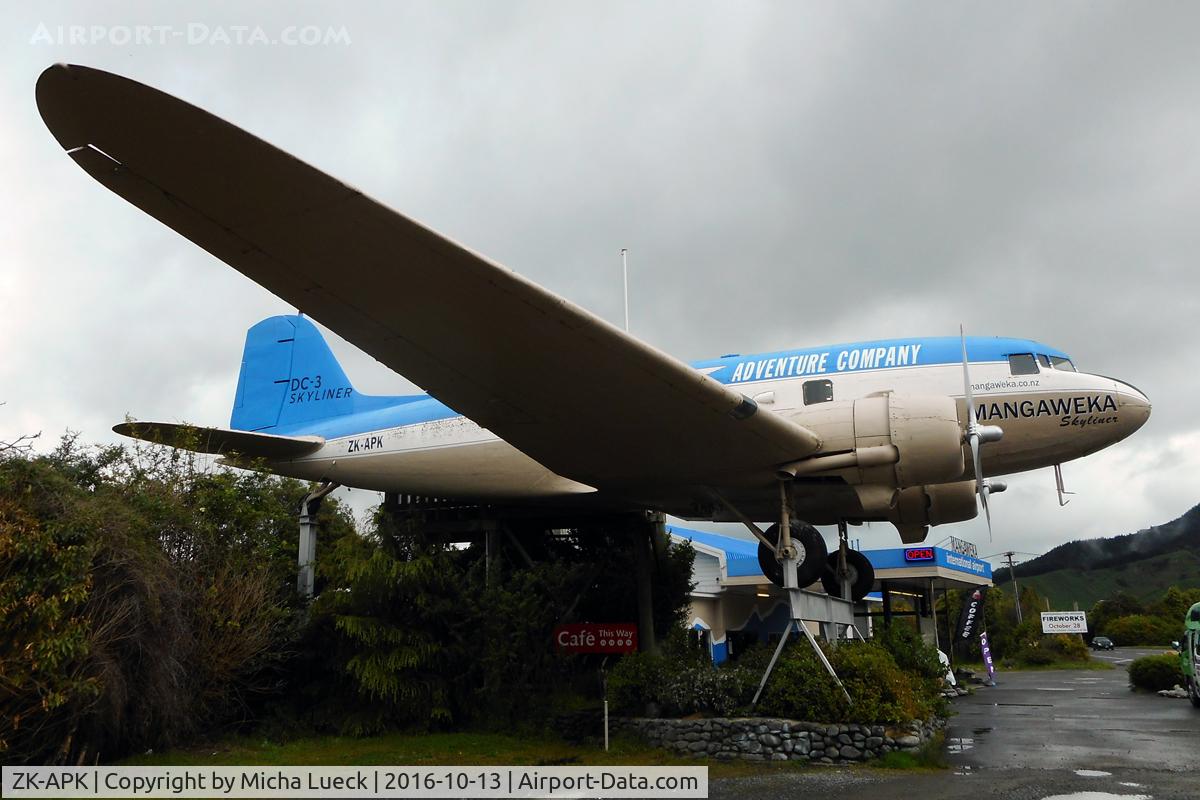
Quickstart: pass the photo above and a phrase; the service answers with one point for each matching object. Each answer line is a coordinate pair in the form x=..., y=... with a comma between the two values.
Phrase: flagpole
x=625, y=281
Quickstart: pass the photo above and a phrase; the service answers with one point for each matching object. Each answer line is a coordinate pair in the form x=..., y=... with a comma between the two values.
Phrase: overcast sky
x=783, y=174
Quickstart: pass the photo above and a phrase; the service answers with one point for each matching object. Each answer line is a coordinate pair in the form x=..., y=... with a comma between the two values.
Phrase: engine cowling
x=935, y=505
x=917, y=508
x=921, y=433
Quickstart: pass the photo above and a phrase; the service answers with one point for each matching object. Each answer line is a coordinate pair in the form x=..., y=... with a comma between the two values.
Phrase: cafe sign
x=596, y=637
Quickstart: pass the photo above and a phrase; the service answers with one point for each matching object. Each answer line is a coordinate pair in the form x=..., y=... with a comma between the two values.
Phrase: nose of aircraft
x=1133, y=407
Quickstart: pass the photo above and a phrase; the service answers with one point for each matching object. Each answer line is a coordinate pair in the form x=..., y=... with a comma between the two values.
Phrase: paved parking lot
x=1074, y=720
x=1036, y=735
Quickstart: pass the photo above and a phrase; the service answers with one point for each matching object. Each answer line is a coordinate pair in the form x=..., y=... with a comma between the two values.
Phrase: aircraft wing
x=222, y=441
x=570, y=390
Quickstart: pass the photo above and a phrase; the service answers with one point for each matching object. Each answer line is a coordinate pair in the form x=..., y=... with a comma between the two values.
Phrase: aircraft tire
x=862, y=575
x=808, y=541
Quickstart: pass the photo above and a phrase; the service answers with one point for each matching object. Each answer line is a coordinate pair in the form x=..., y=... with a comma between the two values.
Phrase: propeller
x=976, y=435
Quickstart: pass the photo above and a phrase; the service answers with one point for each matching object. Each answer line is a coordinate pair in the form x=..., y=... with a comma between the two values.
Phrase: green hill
x=1146, y=580
x=1144, y=564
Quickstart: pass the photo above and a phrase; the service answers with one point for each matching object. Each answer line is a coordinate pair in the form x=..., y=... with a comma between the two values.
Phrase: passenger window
x=1022, y=364
x=817, y=392
x=1062, y=363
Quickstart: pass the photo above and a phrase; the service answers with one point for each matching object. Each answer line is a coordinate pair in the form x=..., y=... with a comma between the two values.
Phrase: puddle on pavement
x=959, y=744
x=981, y=731
x=1097, y=796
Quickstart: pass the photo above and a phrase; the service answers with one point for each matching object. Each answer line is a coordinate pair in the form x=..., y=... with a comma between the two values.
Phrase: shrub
x=911, y=652
x=801, y=688
x=153, y=594
x=43, y=637
x=1052, y=649
x=1156, y=672
x=428, y=635
x=680, y=681
x=1141, y=629
x=882, y=691
x=635, y=682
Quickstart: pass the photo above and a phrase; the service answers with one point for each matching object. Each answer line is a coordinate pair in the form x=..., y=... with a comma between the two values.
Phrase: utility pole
x=1012, y=573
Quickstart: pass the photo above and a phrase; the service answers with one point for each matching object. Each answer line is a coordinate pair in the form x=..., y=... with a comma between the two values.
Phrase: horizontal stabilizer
x=222, y=441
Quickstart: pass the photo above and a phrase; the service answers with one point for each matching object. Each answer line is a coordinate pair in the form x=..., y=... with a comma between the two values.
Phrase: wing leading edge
x=577, y=394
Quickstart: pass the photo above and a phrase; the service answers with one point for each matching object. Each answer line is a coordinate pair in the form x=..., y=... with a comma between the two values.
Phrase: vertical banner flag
x=971, y=618
x=986, y=646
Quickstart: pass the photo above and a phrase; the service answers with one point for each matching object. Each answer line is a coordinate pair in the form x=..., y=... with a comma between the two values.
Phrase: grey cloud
x=783, y=174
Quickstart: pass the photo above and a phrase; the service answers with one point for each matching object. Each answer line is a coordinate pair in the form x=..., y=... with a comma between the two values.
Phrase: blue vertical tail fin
x=290, y=376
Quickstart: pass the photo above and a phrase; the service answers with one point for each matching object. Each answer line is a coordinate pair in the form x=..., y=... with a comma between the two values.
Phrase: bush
x=143, y=596
x=801, y=688
x=680, y=681
x=1156, y=672
x=1066, y=647
x=635, y=681
x=911, y=652
x=1035, y=657
x=1054, y=649
x=425, y=634
x=1141, y=629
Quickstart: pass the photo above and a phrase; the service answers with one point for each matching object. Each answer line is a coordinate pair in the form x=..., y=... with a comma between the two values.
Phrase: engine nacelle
x=935, y=505
x=921, y=433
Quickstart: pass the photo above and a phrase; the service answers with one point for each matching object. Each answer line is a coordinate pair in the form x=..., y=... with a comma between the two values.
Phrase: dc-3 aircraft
x=533, y=400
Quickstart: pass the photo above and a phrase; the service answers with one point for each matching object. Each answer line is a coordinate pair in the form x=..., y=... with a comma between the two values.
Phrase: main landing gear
x=847, y=574
x=802, y=557
x=811, y=554
x=844, y=573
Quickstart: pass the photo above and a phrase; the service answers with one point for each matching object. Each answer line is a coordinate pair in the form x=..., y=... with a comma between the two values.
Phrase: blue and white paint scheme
x=534, y=400
x=291, y=385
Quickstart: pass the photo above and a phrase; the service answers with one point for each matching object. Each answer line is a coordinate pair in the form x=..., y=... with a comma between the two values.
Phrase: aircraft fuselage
x=1049, y=417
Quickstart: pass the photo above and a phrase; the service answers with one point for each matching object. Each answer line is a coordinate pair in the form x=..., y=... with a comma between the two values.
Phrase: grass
x=435, y=749
x=932, y=756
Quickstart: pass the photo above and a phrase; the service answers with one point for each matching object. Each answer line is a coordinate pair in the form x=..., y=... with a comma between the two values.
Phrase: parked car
x=1102, y=643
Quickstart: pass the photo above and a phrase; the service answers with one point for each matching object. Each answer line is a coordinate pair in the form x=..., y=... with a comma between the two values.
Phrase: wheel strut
x=785, y=551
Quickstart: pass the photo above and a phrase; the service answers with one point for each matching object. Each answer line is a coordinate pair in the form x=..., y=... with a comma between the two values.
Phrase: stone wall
x=759, y=739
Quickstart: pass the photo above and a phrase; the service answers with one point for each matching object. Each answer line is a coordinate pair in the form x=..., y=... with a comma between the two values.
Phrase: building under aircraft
x=734, y=606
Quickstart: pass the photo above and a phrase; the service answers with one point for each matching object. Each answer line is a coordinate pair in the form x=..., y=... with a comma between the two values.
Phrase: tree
x=1121, y=604
x=161, y=585
x=22, y=445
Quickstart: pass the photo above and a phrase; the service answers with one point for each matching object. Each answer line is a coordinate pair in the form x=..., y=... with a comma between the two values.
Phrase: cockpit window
x=1044, y=360
x=1058, y=362
x=817, y=392
x=1022, y=364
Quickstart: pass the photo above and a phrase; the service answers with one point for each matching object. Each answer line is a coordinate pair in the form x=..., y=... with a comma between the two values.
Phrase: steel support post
x=307, y=555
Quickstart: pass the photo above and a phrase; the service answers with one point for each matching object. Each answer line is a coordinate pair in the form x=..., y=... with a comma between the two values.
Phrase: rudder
x=289, y=376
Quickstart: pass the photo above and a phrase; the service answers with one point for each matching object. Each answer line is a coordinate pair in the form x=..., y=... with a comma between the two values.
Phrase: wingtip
x=72, y=98
x=54, y=96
